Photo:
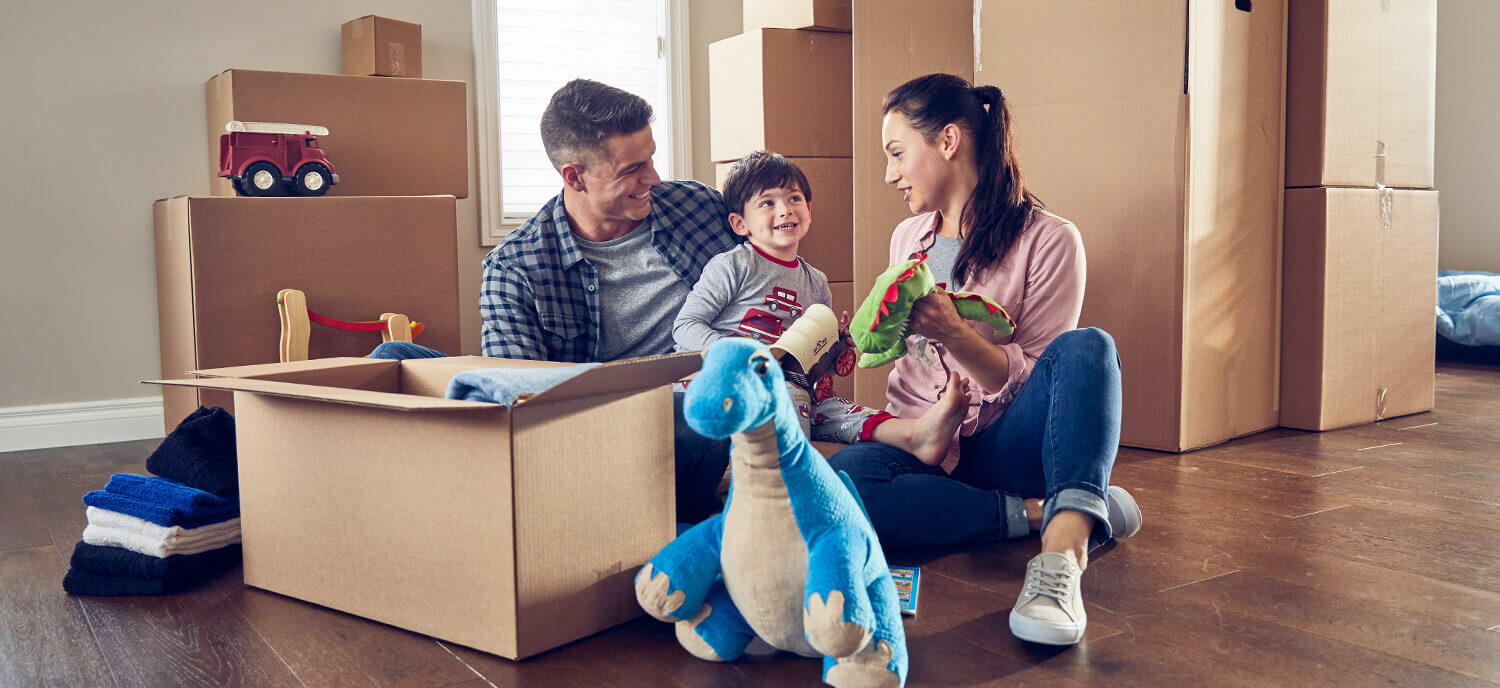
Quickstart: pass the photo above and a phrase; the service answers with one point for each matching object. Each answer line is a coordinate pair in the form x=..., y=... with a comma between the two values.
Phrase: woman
x=1041, y=408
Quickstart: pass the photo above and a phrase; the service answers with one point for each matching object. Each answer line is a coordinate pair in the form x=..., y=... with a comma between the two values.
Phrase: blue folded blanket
x=1468, y=307
x=162, y=501
x=504, y=385
x=166, y=492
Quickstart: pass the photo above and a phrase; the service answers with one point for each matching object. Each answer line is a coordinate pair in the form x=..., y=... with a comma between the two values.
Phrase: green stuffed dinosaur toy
x=880, y=328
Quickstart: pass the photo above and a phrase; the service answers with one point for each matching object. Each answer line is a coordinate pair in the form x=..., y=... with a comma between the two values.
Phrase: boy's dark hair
x=757, y=172
x=583, y=113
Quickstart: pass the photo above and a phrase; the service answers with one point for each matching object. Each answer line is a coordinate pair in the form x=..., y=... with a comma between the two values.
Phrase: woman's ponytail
x=999, y=207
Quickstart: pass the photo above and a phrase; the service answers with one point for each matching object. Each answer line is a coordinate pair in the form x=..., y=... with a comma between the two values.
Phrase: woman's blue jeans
x=1056, y=442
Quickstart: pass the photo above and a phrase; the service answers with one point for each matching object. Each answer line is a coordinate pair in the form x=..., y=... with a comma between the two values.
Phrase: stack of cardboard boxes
x=783, y=86
x=362, y=488
x=1360, y=260
x=383, y=239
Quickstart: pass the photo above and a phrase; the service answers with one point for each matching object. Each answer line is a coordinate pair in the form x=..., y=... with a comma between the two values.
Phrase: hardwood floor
x=1366, y=556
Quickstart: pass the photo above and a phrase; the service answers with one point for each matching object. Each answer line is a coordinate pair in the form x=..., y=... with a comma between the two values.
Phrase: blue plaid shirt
x=538, y=299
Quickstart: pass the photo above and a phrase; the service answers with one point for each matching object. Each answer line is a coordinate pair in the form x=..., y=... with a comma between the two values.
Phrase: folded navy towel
x=503, y=385
x=200, y=452
x=168, y=493
x=178, y=569
x=162, y=515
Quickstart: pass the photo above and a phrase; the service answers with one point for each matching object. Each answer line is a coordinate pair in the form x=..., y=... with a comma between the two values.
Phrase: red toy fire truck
x=271, y=158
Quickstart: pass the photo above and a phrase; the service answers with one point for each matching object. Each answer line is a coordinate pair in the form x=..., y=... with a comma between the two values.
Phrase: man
x=600, y=272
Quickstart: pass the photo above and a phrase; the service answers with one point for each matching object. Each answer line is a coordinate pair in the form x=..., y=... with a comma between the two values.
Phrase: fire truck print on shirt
x=766, y=323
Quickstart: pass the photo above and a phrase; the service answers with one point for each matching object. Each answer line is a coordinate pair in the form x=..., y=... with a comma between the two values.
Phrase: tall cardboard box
x=509, y=530
x=829, y=246
x=386, y=137
x=377, y=46
x=822, y=15
x=221, y=261
x=1361, y=93
x=1357, y=342
x=780, y=90
x=1155, y=127
x=893, y=42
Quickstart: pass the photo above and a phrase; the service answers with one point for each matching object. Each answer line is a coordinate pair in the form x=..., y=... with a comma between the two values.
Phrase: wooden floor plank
x=44, y=636
x=325, y=647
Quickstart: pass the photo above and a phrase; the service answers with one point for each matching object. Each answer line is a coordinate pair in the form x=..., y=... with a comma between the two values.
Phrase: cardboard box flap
x=337, y=395
x=623, y=376
x=278, y=371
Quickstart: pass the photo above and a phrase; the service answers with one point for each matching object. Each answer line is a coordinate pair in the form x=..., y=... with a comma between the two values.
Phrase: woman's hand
x=935, y=317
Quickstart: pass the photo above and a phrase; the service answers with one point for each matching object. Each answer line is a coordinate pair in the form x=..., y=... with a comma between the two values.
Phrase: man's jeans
x=1057, y=442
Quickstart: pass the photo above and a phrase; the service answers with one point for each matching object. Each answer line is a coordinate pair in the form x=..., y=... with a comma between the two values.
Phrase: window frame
x=494, y=224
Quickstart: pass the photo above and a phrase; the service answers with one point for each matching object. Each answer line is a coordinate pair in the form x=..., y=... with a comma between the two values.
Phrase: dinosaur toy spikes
x=880, y=326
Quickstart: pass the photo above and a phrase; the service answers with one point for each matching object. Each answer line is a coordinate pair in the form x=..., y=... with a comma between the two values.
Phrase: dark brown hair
x=757, y=172
x=1000, y=205
x=583, y=114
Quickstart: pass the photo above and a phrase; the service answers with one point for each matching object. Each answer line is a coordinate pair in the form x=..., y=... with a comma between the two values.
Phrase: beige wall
x=104, y=112
x=1468, y=134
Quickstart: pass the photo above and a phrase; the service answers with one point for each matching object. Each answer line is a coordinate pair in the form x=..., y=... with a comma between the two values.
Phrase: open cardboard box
x=509, y=530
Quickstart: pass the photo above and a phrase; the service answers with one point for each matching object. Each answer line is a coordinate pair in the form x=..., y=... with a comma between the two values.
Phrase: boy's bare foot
x=931, y=434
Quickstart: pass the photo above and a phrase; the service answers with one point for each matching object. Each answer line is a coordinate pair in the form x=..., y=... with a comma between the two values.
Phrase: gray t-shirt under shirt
x=638, y=291
x=744, y=292
x=942, y=257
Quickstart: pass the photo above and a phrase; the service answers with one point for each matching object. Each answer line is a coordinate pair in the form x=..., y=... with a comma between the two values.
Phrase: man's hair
x=583, y=114
x=757, y=172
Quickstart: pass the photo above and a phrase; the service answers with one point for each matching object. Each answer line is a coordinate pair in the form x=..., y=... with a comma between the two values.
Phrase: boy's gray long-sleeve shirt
x=747, y=293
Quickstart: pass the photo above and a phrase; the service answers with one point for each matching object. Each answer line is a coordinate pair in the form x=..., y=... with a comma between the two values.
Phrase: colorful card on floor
x=907, y=578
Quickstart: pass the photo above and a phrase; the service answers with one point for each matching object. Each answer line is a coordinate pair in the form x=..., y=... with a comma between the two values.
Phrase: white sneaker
x=1124, y=515
x=1050, y=608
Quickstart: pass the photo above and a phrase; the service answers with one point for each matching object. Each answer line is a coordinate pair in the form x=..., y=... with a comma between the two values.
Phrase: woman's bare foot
x=928, y=437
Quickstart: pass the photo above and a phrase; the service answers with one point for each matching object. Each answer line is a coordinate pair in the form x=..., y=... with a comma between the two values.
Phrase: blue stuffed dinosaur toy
x=793, y=559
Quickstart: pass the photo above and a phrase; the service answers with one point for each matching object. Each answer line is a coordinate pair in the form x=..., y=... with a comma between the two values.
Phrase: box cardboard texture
x=1361, y=93
x=893, y=42
x=377, y=46
x=1167, y=155
x=386, y=137
x=821, y=15
x=509, y=530
x=1357, y=342
x=749, y=75
x=221, y=261
x=829, y=246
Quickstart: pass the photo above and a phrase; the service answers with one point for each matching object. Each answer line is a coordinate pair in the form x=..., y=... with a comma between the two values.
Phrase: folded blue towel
x=503, y=385
x=170, y=493
x=162, y=515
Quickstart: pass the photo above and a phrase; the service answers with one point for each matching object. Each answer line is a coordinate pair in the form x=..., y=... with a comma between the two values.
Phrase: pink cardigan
x=1039, y=283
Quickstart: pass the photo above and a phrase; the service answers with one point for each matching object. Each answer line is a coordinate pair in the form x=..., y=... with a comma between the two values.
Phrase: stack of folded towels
x=156, y=535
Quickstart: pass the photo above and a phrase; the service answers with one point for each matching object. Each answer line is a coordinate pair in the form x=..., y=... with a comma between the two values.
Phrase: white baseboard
x=87, y=422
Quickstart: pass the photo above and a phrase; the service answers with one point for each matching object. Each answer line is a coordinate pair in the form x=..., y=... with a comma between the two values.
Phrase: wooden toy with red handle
x=297, y=319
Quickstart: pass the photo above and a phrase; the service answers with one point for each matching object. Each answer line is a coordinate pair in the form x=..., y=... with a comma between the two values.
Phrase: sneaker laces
x=1054, y=585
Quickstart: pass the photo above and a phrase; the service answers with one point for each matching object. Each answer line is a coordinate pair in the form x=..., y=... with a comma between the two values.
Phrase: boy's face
x=775, y=219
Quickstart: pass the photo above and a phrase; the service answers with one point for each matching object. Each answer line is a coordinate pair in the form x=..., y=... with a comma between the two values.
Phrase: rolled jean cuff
x=1084, y=501
x=1016, y=523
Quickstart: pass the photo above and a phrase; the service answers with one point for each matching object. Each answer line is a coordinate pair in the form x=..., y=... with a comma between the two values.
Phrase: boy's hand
x=843, y=324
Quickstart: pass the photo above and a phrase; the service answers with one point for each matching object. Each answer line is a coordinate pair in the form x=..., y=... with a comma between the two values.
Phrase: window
x=525, y=50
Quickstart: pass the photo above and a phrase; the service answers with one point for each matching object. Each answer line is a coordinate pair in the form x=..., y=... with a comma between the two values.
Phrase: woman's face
x=918, y=168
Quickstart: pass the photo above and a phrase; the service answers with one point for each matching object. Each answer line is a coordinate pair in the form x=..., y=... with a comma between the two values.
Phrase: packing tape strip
x=1380, y=403
x=978, y=63
x=1385, y=192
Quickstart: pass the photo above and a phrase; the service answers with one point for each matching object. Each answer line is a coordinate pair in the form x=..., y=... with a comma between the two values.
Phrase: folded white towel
x=167, y=534
x=113, y=529
x=105, y=536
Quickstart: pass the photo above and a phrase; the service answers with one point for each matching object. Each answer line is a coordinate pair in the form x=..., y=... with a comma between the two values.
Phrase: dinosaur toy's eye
x=760, y=367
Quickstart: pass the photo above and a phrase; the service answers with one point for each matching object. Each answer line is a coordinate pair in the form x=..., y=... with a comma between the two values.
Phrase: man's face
x=617, y=184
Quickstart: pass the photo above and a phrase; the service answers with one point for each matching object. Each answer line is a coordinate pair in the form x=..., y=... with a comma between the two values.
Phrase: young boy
x=760, y=287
